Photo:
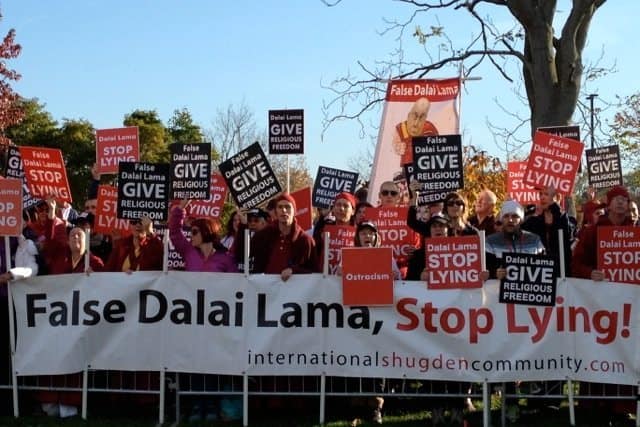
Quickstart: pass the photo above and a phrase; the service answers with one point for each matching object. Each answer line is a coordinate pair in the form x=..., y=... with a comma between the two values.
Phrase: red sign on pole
x=516, y=188
x=211, y=207
x=106, y=220
x=340, y=236
x=367, y=276
x=553, y=162
x=45, y=173
x=303, y=205
x=619, y=253
x=453, y=262
x=116, y=145
x=394, y=232
x=10, y=207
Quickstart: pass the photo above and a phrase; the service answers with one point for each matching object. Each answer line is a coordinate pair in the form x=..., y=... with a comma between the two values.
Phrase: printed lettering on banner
x=530, y=280
x=10, y=207
x=143, y=189
x=553, y=162
x=516, y=188
x=45, y=173
x=106, y=220
x=394, y=232
x=116, y=145
x=211, y=207
x=603, y=166
x=340, y=236
x=286, y=131
x=304, y=214
x=619, y=253
x=190, y=171
x=249, y=176
x=367, y=276
x=438, y=165
x=15, y=170
x=330, y=182
x=453, y=262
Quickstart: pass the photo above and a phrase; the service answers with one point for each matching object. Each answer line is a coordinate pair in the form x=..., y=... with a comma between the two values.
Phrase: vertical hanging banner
x=437, y=165
x=619, y=253
x=413, y=108
x=603, y=167
x=286, y=131
x=107, y=221
x=190, y=171
x=304, y=216
x=329, y=183
x=116, y=145
x=367, y=276
x=15, y=170
x=143, y=189
x=249, y=177
x=453, y=262
x=211, y=207
x=45, y=173
x=553, y=162
x=10, y=207
x=530, y=280
x=516, y=188
x=340, y=236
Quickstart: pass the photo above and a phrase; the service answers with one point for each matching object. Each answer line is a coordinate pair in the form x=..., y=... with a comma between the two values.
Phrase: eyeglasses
x=88, y=207
x=135, y=222
x=194, y=231
x=389, y=192
x=455, y=202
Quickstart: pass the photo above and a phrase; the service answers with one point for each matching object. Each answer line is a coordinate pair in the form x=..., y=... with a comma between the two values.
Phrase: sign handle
x=12, y=335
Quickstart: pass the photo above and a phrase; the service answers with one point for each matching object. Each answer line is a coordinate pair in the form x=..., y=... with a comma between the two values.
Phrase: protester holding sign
x=342, y=213
x=436, y=226
x=67, y=258
x=140, y=251
x=584, y=260
x=510, y=239
x=456, y=210
x=204, y=252
x=389, y=194
x=483, y=218
x=283, y=247
x=39, y=226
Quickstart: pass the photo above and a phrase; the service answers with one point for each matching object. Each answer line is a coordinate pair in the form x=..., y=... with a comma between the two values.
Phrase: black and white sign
x=409, y=175
x=14, y=170
x=190, y=171
x=603, y=165
x=249, y=177
x=530, y=280
x=571, y=132
x=286, y=131
x=329, y=182
x=143, y=189
x=437, y=163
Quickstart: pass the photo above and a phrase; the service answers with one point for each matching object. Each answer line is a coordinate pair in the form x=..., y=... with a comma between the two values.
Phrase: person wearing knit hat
x=584, y=261
x=510, y=239
x=283, y=247
x=342, y=213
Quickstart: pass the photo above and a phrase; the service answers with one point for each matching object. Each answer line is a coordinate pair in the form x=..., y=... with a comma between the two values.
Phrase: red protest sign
x=211, y=207
x=619, y=253
x=116, y=145
x=553, y=162
x=106, y=220
x=340, y=236
x=453, y=262
x=394, y=232
x=10, y=207
x=45, y=173
x=303, y=207
x=367, y=276
x=516, y=188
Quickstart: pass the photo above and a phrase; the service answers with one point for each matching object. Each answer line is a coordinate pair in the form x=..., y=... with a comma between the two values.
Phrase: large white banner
x=229, y=324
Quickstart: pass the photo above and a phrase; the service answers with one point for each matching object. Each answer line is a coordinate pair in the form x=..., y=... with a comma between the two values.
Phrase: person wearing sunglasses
x=142, y=250
x=204, y=252
x=389, y=194
x=455, y=206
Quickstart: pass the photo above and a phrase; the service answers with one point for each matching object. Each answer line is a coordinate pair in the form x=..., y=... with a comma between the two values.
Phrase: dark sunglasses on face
x=455, y=202
x=135, y=222
x=194, y=231
x=389, y=192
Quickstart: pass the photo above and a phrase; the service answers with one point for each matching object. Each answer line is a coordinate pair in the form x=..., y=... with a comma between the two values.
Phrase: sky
x=99, y=60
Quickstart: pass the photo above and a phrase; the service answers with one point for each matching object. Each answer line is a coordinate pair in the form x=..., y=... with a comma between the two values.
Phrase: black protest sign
x=409, y=175
x=603, y=166
x=249, y=177
x=190, y=171
x=286, y=131
x=15, y=170
x=530, y=280
x=329, y=183
x=571, y=132
x=143, y=189
x=437, y=164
